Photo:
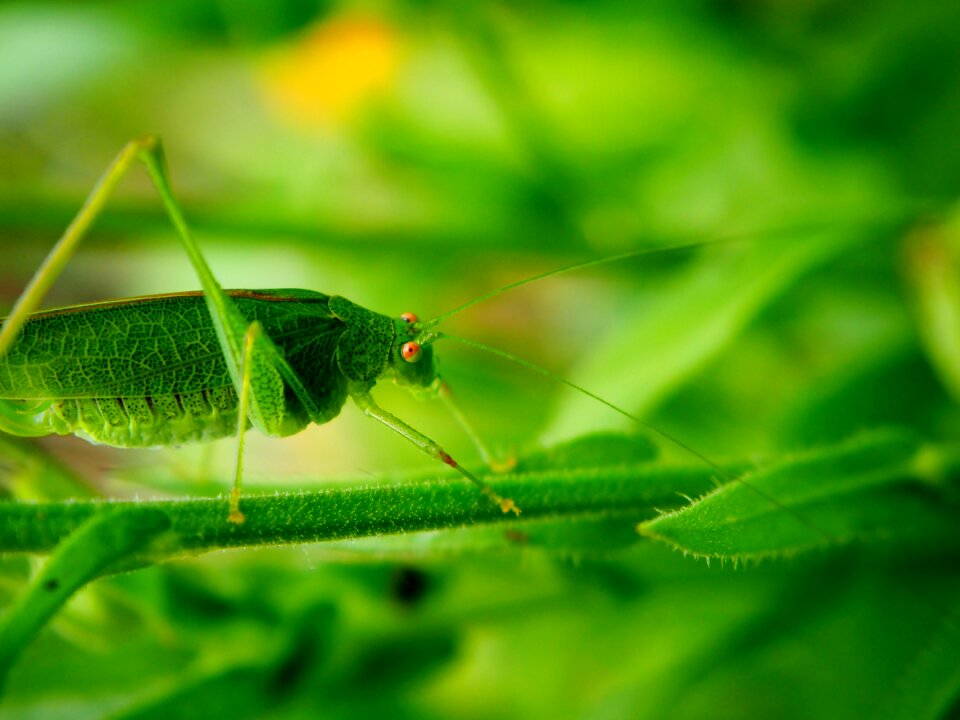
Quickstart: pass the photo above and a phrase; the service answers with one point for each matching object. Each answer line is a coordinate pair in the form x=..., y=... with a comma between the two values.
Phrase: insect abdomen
x=171, y=419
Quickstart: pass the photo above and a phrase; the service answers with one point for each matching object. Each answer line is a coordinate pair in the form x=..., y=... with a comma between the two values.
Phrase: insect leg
x=229, y=324
x=254, y=331
x=254, y=341
x=266, y=369
x=366, y=403
x=488, y=458
x=14, y=421
x=61, y=253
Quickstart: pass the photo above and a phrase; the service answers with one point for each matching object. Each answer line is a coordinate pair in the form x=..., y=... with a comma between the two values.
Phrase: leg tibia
x=366, y=403
x=253, y=333
x=497, y=465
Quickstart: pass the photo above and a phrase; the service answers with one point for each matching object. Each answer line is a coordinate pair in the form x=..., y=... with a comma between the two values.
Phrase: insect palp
x=411, y=351
x=427, y=338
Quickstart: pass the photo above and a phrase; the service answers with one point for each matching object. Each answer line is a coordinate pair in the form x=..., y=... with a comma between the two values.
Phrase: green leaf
x=701, y=312
x=932, y=682
x=93, y=548
x=857, y=491
x=90, y=538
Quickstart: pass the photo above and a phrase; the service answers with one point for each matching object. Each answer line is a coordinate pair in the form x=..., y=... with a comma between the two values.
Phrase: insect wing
x=152, y=345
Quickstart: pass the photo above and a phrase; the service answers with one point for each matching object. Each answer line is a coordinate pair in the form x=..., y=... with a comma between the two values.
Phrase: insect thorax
x=370, y=349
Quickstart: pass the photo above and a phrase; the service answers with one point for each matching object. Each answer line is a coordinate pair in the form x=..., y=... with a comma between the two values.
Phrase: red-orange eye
x=409, y=317
x=410, y=351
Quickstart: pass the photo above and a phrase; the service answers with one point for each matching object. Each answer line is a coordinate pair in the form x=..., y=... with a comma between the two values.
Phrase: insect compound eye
x=409, y=317
x=410, y=352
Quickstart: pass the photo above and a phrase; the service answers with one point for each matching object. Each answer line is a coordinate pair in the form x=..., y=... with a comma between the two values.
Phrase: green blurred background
x=414, y=155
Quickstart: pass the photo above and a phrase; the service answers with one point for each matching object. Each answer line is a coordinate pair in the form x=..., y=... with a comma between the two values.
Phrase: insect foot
x=236, y=517
x=507, y=505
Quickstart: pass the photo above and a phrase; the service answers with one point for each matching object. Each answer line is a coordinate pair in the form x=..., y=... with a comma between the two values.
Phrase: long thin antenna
x=665, y=435
x=552, y=273
x=722, y=240
x=446, y=395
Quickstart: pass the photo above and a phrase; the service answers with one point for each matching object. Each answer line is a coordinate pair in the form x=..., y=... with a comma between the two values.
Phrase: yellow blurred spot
x=332, y=70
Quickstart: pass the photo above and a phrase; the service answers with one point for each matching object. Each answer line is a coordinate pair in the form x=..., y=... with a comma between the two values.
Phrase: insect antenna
x=427, y=334
x=560, y=271
x=893, y=215
x=727, y=476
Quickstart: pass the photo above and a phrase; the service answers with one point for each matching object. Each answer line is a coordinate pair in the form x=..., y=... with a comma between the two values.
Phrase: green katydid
x=205, y=363
x=168, y=369
x=192, y=366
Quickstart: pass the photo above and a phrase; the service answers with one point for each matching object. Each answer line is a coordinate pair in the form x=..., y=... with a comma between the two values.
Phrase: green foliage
x=411, y=157
x=580, y=500
x=92, y=547
x=856, y=492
